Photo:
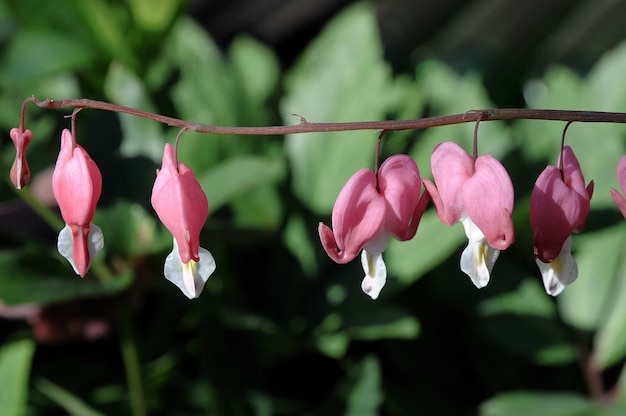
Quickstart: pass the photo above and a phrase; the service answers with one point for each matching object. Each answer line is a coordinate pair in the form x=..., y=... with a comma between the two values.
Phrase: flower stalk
x=305, y=126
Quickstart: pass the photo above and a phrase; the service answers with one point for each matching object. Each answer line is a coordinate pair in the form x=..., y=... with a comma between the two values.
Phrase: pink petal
x=20, y=172
x=619, y=201
x=621, y=178
x=81, y=248
x=358, y=216
x=488, y=200
x=451, y=167
x=399, y=183
x=574, y=179
x=558, y=207
x=76, y=183
x=181, y=204
x=621, y=173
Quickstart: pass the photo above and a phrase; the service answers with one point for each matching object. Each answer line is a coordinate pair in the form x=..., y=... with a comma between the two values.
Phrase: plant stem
x=306, y=127
x=130, y=357
x=593, y=376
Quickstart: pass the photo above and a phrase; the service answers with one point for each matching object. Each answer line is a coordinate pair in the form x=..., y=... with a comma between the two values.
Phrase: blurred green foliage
x=280, y=329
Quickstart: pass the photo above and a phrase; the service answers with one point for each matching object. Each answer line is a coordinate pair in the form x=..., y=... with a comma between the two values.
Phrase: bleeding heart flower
x=182, y=207
x=77, y=184
x=479, y=194
x=370, y=208
x=621, y=178
x=20, y=173
x=559, y=206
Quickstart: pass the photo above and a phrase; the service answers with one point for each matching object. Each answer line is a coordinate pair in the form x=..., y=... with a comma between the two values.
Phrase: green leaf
x=447, y=93
x=237, y=176
x=15, y=362
x=528, y=299
x=514, y=325
x=37, y=283
x=348, y=322
x=523, y=403
x=366, y=397
x=213, y=90
x=154, y=15
x=142, y=137
x=390, y=327
x=205, y=92
x=65, y=399
x=610, y=339
x=433, y=243
x=7, y=23
x=582, y=304
x=620, y=387
x=130, y=231
x=34, y=56
x=524, y=322
x=340, y=77
x=605, y=93
x=613, y=409
x=261, y=207
x=560, y=88
x=257, y=67
x=105, y=22
x=295, y=238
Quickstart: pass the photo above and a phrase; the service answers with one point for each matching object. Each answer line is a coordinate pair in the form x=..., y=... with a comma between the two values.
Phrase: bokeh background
x=280, y=329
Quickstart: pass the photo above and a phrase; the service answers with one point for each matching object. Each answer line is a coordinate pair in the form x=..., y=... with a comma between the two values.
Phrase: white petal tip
x=189, y=277
x=370, y=288
x=65, y=244
x=560, y=272
x=375, y=274
x=478, y=258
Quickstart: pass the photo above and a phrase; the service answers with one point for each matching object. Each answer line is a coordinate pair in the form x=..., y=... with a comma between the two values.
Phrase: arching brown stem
x=308, y=127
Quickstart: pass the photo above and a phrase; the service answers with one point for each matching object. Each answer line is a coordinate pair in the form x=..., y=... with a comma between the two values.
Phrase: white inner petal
x=95, y=241
x=65, y=243
x=560, y=272
x=189, y=277
x=478, y=258
x=375, y=273
x=378, y=244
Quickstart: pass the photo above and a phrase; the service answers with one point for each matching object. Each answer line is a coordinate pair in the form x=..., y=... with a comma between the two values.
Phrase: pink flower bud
x=181, y=204
x=621, y=178
x=77, y=184
x=182, y=207
x=20, y=173
x=559, y=206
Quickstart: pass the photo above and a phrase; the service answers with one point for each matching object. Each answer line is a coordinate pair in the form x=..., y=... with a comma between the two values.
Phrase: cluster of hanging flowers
x=177, y=198
x=475, y=191
x=372, y=207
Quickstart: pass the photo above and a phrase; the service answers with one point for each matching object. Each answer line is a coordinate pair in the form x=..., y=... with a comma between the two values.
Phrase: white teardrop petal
x=189, y=277
x=560, y=272
x=95, y=241
x=478, y=258
x=375, y=273
x=65, y=245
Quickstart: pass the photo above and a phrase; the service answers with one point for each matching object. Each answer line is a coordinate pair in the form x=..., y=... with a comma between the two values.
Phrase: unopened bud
x=20, y=172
